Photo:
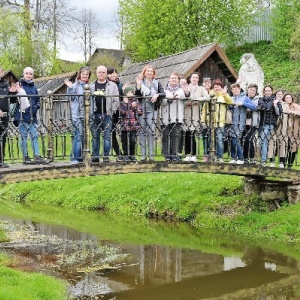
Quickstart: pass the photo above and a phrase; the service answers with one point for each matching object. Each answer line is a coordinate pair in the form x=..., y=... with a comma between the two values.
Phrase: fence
x=173, y=130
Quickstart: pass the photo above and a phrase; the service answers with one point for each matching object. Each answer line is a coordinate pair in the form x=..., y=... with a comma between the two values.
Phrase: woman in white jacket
x=172, y=115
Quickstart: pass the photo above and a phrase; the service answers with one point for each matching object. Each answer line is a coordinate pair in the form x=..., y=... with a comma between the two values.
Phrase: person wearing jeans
x=77, y=112
x=26, y=117
x=104, y=103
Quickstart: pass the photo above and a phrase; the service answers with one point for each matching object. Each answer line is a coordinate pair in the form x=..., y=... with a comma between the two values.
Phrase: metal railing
x=172, y=130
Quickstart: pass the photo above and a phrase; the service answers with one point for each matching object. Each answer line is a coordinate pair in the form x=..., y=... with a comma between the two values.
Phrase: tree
x=284, y=17
x=151, y=27
x=85, y=30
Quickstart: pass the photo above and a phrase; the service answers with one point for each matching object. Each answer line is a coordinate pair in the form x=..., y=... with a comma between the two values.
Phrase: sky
x=106, y=11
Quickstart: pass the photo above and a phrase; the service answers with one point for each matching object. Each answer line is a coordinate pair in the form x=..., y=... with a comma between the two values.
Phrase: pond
x=104, y=256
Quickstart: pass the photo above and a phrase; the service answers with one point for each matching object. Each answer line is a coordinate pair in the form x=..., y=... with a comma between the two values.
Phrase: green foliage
x=284, y=16
x=280, y=72
x=62, y=66
x=152, y=27
x=105, y=59
x=295, y=41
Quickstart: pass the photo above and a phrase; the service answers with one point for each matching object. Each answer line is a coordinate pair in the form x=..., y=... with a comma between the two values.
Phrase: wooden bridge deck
x=55, y=170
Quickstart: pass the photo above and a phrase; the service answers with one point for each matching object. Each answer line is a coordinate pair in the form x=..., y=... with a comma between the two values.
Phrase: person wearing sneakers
x=26, y=118
x=219, y=93
x=172, y=115
x=239, y=113
x=192, y=116
x=77, y=111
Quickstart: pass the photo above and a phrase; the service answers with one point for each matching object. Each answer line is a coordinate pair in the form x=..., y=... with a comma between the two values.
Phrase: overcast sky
x=106, y=10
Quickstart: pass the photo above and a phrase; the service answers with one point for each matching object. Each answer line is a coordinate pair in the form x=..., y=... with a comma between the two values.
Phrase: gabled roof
x=118, y=55
x=10, y=73
x=52, y=83
x=184, y=62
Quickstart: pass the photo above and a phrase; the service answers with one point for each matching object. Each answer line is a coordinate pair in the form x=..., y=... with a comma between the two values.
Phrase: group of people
x=20, y=103
x=176, y=112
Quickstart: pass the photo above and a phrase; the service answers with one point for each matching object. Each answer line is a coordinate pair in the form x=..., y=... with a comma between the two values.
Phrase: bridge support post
x=212, y=111
x=86, y=143
x=273, y=191
x=49, y=111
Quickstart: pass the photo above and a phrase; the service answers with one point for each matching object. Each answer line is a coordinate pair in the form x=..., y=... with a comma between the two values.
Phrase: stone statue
x=250, y=72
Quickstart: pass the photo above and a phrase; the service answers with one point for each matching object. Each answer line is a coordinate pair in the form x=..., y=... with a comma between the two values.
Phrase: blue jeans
x=77, y=143
x=26, y=128
x=101, y=123
x=220, y=134
x=265, y=134
x=236, y=149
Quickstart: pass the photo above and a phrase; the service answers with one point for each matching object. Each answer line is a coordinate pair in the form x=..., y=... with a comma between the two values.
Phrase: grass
x=204, y=200
x=19, y=285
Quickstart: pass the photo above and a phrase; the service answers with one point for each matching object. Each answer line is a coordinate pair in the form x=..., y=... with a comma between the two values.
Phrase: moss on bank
x=204, y=200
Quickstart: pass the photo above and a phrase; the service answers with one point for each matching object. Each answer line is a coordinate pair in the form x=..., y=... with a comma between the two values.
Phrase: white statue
x=250, y=72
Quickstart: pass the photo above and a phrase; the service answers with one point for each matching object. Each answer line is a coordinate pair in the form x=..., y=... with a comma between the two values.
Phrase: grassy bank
x=23, y=285
x=204, y=200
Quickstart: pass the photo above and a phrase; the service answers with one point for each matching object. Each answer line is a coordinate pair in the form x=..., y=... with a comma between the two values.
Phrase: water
x=156, y=260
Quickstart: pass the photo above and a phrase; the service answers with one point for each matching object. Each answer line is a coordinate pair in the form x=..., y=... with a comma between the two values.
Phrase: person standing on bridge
x=26, y=117
x=104, y=103
x=77, y=112
x=219, y=115
x=270, y=109
x=192, y=113
x=151, y=92
x=239, y=114
x=172, y=115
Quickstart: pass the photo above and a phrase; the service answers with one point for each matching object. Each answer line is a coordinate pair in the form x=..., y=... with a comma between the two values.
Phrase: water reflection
x=154, y=272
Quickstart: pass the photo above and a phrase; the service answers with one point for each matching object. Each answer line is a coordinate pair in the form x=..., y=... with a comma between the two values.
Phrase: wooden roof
x=184, y=62
x=118, y=55
x=52, y=83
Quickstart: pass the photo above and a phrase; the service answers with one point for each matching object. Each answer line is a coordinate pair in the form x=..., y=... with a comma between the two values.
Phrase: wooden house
x=10, y=77
x=55, y=84
x=209, y=60
x=118, y=55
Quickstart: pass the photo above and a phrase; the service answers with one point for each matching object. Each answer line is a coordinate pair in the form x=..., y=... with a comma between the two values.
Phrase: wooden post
x=212, y=111
x=49, y=111
x=86, y=140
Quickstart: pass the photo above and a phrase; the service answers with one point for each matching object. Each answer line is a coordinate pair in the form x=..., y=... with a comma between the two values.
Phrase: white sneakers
x=272, y=165
x=190, y=158
x=238, y=162
x=281, y=165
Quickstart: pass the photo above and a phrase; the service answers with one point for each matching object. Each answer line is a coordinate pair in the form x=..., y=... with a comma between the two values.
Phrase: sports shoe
x=193, y=159
x=106, y=159
x=220, y=160
x=281, y=165
x=75, y=162
x=40, y=160
x=239, y=162
x=263, y=164
x=4, y=165
x=132, y=158
x=205, y=158
x=233, y=161
x=187, y=158
x=119, y=159
x=27, y=160
x=272, y=165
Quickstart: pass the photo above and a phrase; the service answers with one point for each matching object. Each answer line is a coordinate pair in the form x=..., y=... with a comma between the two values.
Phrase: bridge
x=56, y=135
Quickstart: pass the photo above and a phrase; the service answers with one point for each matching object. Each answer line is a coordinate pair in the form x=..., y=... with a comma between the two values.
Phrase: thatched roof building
x=54, y=83
x=209, y=60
